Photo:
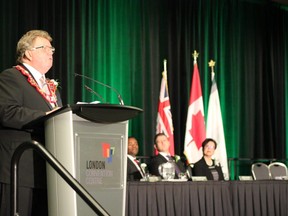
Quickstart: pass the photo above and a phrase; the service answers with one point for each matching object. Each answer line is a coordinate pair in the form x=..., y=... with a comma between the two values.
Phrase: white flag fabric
x=195, y=125
x=215, y=128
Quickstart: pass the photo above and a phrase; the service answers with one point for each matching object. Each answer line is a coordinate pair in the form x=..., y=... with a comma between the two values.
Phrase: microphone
x=103, y=84
x=93, y=92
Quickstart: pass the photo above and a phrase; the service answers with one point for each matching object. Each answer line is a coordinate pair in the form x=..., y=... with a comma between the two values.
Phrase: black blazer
x=21, y=103
x=200, y=168
x=159, y=159
x=133, y=174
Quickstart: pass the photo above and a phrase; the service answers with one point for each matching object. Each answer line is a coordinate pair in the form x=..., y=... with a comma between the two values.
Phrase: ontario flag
x=215, y=128
x=164, y=122
x=195, y=126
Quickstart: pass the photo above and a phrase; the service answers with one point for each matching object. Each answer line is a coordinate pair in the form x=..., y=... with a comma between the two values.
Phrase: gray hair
x=27, y=40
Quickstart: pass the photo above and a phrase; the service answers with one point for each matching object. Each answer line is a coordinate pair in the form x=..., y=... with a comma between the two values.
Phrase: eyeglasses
x=46, y=48
x=209, y=147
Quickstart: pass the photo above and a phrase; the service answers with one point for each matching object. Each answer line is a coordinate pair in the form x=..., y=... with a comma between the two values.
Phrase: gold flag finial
x=212, y=64
x=195, y=56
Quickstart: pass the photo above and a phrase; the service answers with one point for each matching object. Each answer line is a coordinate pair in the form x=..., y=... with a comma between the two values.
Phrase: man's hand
x=56, y=108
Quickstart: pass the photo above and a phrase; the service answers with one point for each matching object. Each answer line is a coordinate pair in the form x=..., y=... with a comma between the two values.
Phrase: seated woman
x=206, y=165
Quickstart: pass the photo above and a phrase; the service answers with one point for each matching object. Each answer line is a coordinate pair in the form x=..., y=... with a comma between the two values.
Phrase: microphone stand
x=93, y=92
x=103, y=84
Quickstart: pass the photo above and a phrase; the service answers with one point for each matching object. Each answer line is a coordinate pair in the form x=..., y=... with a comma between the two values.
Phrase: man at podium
x=25, y=95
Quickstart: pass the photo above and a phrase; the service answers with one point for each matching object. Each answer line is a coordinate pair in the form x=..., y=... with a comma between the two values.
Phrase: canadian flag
x=195, y=126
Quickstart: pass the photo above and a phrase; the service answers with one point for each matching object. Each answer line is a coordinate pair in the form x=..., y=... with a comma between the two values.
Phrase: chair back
x=260, y=171
x=278, y=170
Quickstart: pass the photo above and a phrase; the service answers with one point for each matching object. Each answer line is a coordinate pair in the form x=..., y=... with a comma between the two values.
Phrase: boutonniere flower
x=177, y=158
x=143, y=167
x=52, y=85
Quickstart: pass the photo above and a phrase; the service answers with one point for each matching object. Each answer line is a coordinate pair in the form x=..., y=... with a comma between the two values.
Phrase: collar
x=131, y=157
x=165, y=155
x=36, y=74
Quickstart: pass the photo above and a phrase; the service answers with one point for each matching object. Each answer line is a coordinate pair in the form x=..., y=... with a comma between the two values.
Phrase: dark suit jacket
x=159, y=159
x=200, y=168
x=21, y=103
x=133, y=174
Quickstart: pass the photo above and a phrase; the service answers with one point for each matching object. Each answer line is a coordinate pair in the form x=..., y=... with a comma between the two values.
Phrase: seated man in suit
x=134, y=171
x=162, y=144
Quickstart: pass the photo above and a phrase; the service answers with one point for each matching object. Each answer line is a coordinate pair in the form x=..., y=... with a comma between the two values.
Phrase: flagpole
x=165, y=65
x=164, y=73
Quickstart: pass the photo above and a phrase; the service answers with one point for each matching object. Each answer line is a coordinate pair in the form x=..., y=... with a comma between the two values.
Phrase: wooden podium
x=91, y=142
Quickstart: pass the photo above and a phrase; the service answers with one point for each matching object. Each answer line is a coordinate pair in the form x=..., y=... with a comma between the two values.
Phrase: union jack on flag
x=164, y=116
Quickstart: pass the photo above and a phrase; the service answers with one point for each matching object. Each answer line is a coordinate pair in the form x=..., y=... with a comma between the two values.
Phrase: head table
x=269, y=197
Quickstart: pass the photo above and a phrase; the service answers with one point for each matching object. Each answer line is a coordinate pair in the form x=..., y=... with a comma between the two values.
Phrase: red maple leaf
x=197, y=130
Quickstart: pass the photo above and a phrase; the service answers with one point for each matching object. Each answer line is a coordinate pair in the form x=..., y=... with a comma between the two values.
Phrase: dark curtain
x=123, y=43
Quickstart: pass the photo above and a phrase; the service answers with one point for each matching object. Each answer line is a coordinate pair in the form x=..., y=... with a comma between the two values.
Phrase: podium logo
x=107, y=152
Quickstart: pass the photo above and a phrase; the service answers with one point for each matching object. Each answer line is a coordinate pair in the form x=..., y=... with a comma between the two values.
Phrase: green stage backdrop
x=123, y=43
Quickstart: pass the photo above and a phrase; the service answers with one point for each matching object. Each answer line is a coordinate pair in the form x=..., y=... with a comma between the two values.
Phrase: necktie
x=169, y=158
x=44, y=85
x=45, y=88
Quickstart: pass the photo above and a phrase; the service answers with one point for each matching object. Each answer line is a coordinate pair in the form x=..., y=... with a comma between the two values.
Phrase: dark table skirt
x=207, y=198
